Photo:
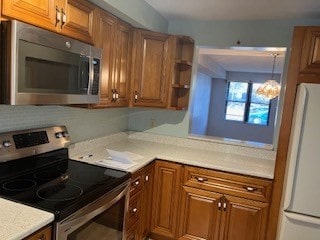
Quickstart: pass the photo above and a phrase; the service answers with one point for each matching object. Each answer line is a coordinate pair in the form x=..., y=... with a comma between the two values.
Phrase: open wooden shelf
x=182, y=69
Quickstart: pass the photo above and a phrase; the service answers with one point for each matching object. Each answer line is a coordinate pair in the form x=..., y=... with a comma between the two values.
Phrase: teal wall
x=137, y=12
x=274, y=33
x=82, y=123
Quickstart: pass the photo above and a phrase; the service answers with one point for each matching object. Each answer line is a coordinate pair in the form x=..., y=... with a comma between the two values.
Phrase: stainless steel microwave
x=42, y=67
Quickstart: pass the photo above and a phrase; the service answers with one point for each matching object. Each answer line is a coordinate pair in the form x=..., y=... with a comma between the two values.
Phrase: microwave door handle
x=90, y=82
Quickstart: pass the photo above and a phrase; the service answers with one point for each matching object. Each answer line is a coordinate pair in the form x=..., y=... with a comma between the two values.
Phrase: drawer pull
x=134, y=210
x=251, y=189
x=201, y=179
x=219, y=205
x=42, y=237
x=136, y=183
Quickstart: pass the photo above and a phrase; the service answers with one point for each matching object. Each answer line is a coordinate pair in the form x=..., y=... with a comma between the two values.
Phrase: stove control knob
x=6, y=144
x=65, y=134
x=59, y=135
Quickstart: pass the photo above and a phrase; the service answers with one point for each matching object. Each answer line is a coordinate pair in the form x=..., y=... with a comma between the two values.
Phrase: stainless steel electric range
x=88, y=201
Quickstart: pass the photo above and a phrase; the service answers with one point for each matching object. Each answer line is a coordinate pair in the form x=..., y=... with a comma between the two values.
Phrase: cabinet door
x=41, y=13
x=105, y=39
x=167, y=184
x=310, y=58
x=78, y=20
x=151, y=68
x=146, y=201
x=244, y=219
x=200, y=216
x=123, y=64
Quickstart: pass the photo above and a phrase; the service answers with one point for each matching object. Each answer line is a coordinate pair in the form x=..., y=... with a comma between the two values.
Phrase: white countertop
x=18, y=221
x=235, y=159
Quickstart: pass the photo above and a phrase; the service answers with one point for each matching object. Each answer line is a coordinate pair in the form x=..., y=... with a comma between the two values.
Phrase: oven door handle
x=88, y=212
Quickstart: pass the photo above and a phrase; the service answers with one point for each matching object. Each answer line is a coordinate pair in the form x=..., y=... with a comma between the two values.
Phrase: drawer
x=228, y=183
x=132, y=233
x=134, y=210
x=42, y=234
x=136, y=182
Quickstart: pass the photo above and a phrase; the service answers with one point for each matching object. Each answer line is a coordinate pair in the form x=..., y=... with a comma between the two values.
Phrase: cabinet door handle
x=134, y=210
x=201, y=179
x=147, y=178
x=58, y=15
x=64, y=17
x=117, y=95
x=136, y=183
x=250, y=189
x=135, y=96
x=219, y=205
x=224, y=206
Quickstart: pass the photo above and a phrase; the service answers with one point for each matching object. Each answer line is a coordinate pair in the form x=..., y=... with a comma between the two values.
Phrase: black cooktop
x=54, y=183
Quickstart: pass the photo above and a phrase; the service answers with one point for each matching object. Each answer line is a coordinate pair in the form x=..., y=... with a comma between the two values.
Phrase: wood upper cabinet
x=179, y=88
x=166, y=198
x=123, y=64
x=114, y=37
x=310, y=55
x=151, y=66
x=41, y=13
x=77, y=19
x=73, y=18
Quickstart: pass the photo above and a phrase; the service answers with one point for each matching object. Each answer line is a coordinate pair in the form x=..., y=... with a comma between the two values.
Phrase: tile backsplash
x=82, y=123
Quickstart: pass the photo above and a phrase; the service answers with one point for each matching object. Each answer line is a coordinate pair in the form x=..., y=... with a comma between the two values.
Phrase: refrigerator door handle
x=302, y=218
x=294, y=146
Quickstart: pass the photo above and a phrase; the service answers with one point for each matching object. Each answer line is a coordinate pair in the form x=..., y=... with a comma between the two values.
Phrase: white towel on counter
x=119, y=160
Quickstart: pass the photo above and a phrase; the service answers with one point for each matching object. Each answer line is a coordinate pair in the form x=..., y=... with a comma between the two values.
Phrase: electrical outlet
x=152, y=123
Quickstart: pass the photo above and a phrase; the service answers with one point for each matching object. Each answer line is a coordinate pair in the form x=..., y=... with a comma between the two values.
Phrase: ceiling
x=235, y=9
x=244, y=59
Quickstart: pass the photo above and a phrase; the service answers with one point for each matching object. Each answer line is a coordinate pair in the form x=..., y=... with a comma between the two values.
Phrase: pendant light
x=271, y=88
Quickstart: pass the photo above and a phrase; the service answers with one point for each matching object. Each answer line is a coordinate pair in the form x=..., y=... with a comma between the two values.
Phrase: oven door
x=101, y=219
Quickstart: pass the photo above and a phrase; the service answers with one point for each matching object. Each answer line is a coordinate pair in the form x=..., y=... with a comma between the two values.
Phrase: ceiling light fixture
x=271, y=88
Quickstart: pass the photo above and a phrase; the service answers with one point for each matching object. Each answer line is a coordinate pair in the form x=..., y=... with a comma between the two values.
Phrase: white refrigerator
x=300, y=212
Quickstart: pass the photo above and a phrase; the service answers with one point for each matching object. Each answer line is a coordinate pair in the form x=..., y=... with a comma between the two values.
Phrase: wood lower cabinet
x=138, y=217
x=243, y=219
x=42, y=234
x=223, y=206
x=200, y=215
x=146, y=201
x=166, y=200
x=73, y=18
x=151, y=68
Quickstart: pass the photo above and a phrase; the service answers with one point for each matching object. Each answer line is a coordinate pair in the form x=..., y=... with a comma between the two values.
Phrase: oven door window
x=106, y=226
x=43, y=69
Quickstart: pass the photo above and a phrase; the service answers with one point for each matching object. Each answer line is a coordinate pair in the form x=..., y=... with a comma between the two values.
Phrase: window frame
x=247, y=103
